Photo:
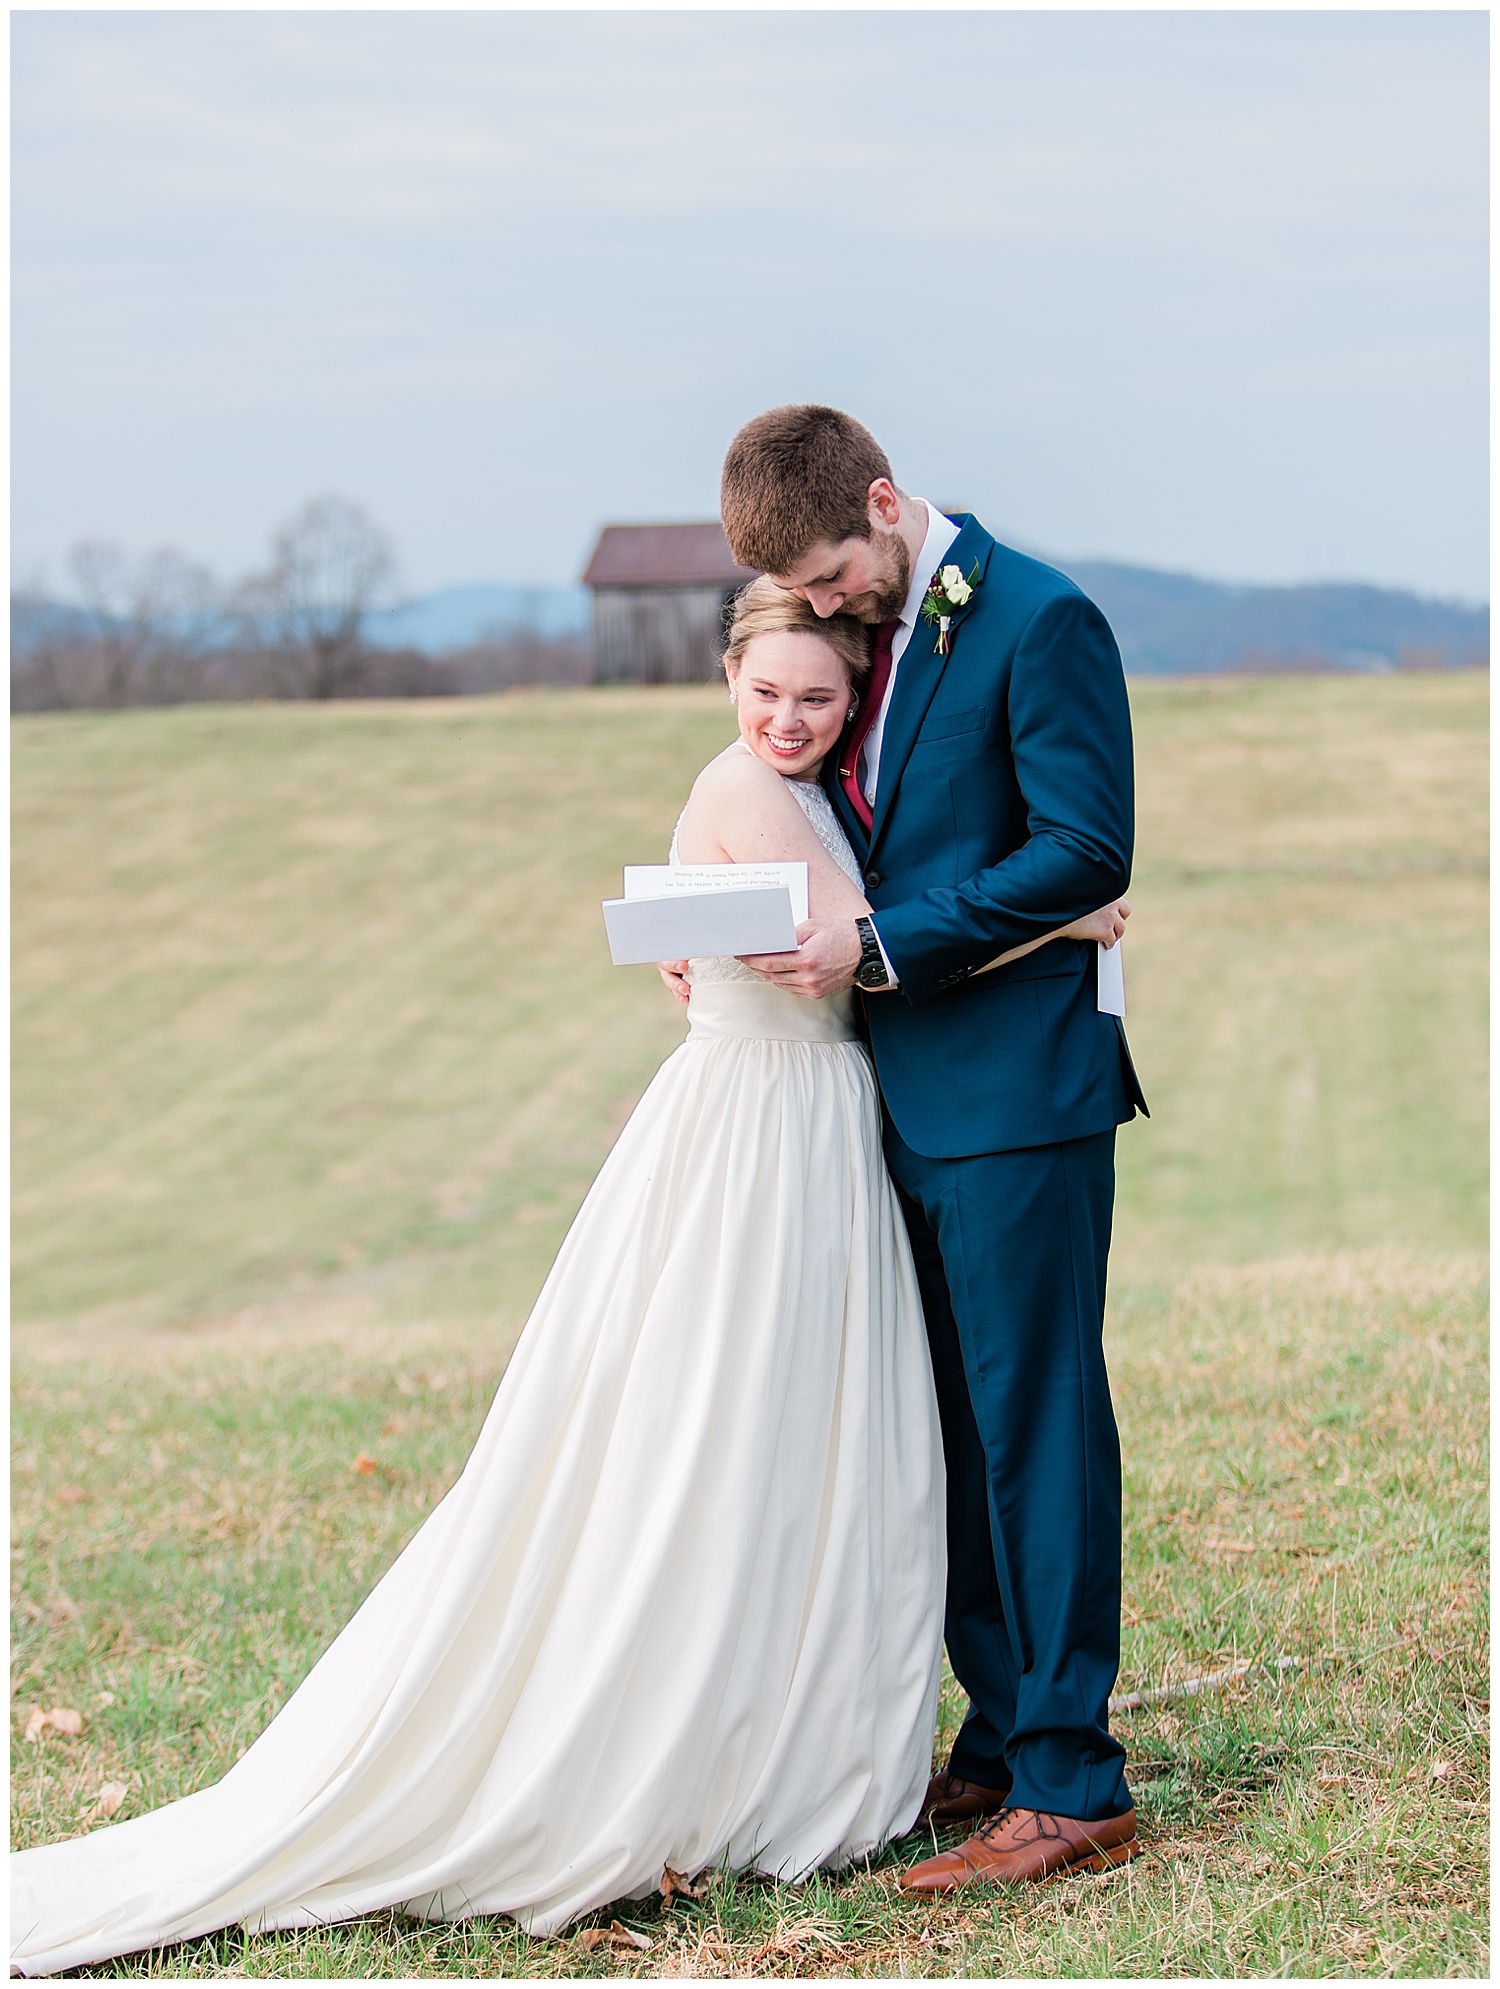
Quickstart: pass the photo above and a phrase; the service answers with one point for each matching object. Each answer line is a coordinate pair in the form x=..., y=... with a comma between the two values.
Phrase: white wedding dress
x=683, y=1606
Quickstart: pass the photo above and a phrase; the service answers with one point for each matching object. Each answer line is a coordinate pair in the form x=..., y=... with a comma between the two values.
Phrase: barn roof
x=664, y=556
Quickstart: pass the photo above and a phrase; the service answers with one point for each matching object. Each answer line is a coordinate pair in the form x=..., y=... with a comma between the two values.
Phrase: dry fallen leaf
x=625, y=1937
x=62, y=1609
x=1441, y=1770
x=110, y=1797
x=592, y=1937
x=364, y=1464
x=61, y=1719
x=674, y=1885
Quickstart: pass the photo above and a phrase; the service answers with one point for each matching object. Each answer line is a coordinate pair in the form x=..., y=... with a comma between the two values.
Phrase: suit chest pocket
x=955, y=729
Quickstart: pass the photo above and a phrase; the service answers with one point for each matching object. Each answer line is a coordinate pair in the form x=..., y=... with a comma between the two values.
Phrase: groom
x=986, y=784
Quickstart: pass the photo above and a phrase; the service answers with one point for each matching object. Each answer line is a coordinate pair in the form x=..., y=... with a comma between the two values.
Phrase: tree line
x=162, y=629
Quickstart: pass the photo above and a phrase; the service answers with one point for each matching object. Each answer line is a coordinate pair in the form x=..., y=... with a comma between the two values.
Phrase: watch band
x=871, y=971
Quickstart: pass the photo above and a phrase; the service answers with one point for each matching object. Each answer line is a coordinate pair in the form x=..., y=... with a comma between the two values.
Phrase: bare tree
x=329, y=566
x=150, y=620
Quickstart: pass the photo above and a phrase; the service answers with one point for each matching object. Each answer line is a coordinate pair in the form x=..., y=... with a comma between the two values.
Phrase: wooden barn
x=660, y=597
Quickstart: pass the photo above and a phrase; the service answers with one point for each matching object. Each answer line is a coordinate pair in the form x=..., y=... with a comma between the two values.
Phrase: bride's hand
x=674, y=977
x=1106, y=925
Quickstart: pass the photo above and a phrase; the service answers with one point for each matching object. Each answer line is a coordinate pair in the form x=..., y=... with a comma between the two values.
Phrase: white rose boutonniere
x=946, y=591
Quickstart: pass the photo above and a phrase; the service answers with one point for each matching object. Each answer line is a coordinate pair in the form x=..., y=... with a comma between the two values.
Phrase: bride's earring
x=849, y=714
x=734, y=697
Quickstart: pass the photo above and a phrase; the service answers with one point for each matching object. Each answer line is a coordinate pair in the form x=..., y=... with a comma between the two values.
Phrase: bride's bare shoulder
x=737, y=802
x=736, y=780
x=737, y=772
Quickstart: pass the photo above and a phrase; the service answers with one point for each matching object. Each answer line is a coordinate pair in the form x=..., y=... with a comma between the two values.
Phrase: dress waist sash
x=720, y=1010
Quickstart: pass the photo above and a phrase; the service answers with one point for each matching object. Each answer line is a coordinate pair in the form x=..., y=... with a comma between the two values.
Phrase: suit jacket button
x=873, y=879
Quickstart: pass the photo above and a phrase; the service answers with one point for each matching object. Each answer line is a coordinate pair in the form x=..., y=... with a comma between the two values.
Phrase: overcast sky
x=1204, y=291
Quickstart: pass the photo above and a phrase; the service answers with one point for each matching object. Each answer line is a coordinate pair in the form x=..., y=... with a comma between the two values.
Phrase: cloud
x=1203, y=289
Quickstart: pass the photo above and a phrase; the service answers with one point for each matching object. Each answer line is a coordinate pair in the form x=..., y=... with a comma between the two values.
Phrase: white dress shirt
x=941, y=532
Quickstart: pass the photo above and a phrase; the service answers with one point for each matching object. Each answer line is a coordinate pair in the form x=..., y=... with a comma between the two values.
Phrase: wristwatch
x=871, y=971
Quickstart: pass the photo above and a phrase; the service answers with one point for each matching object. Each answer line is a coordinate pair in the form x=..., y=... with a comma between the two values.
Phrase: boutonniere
x=946, y=591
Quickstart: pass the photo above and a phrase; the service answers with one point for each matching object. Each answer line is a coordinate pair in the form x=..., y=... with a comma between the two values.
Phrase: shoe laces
x=1040, y=1826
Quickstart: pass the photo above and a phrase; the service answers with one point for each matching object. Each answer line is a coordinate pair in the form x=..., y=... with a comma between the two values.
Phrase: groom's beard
x=886, y=600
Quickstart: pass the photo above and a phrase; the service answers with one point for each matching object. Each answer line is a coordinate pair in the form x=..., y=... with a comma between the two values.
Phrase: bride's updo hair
x=763, y=608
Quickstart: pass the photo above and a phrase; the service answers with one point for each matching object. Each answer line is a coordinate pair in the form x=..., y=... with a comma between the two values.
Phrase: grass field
x=317, y=1049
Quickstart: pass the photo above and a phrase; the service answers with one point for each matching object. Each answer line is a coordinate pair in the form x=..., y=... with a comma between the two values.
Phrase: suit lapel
x=833, y=787
x=920, y=671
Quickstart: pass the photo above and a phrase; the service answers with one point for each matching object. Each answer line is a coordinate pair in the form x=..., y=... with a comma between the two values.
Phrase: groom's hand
x=825, y=962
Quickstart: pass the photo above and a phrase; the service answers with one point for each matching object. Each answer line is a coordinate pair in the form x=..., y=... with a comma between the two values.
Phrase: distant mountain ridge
x=1174, y=623
x=1166, y=623
x=435, y=624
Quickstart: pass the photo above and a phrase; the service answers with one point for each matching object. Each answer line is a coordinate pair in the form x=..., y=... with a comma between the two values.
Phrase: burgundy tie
x=869, y=711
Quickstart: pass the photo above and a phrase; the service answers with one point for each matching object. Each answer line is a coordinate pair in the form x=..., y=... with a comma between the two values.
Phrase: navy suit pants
x=1011, y=1251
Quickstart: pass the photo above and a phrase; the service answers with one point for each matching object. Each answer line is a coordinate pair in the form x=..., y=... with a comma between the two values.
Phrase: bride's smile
x=792, y=695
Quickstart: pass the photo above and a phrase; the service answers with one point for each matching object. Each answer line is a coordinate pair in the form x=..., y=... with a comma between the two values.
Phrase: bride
x=683, y=1607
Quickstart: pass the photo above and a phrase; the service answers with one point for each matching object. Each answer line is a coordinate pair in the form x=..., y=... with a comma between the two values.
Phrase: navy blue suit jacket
x=1005, y=808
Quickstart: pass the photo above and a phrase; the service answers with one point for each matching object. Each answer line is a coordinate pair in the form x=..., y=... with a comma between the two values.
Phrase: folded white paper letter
x=1112, y=979
x=698, y=925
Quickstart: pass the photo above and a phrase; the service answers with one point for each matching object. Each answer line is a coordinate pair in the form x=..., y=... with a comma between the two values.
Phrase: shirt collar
x=941, y=532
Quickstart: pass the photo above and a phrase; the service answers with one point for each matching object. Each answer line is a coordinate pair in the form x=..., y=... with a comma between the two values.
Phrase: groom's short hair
x=794, y=478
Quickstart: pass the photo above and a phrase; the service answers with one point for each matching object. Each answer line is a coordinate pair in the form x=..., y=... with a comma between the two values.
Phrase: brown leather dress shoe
x=950, y=1799
x=1023, y=1846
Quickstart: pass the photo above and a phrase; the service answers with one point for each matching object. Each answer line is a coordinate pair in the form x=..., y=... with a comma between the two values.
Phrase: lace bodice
x=828, y=829
x=818, y=809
